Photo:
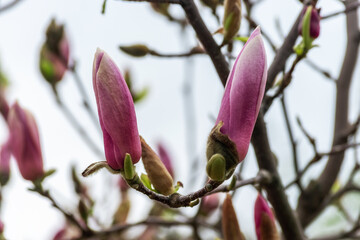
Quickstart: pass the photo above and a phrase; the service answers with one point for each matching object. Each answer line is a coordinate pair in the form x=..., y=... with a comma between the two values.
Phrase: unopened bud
x=156, y=170
x=264, y=220
x=230, y=225
x=129, y=171
x=122, y=211
x=5, y=154
x=212, y=4
x=162, y=8
x=215, y=168
x=220, y=143
x=209, y=204
x=314, y=22
x=137, y=50
x=54, y=54
x=232, y=19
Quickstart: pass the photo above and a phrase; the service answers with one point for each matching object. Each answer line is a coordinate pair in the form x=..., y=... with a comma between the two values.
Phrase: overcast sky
x=161, y=117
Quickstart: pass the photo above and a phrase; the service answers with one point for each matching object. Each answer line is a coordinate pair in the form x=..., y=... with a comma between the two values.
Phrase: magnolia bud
x=264, y=221
x=232, y=19
x=230, y=225
x=216, y=167
x=209, y=204
x=156, y=170
x=165, y=158
x=5, y=154
x=137, y=50
x=240, y=105
x=314, y=22
x=162, y=8
x=122, y=211
x=25, y=143
x=54, y=54
x=116, y=112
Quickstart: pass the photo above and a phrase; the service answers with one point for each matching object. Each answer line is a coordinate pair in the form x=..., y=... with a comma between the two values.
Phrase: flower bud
x=162, y=8
x=4, y=106
x=116, y=112
x=156, y=170
x=67, y=232
x=314, y=15
x=232, y=19
x=212, y=4
x=122, y=211
x=1, y=227
x=264, y=221
x=209, y=204
x=5, y=154
x=216, y=167
x=54, y=54
x=241, y=103
x=165, y=158
x=230, y=225
x=136, y=50
x=25, y=143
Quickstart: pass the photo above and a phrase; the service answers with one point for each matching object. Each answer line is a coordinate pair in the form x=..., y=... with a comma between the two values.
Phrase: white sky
x=161, y=115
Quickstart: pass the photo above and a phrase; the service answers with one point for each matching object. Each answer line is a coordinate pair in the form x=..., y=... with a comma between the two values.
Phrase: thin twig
x=318, y=156
x=253, y=24
x=9, y=5
x=314, y=194
x=240, y=183
x=317, y=68
x=292, y=140
x=284, y=84
x=192, y=52
x=150, y=221
x=78, y=127
x=85, y=98
x=349, y=8
x=83, y=227
x=175, y=200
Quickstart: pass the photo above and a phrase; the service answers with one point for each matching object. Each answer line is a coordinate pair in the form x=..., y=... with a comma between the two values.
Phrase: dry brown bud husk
x=156, y=170
x=268, y=229
x=230, y=225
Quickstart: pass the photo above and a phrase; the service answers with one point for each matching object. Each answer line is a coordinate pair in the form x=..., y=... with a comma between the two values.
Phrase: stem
x=175, y=200
x=292, y=140
x=150, y=221
x=9, y=5
x=45, y=193
x=85, y=98
x=289, y=223
x=77, y=126
x=206, y=39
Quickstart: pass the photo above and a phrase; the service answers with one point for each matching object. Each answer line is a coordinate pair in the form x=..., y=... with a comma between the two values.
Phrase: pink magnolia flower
x=244, y=92
x=165, y=158
x=116, y=112
x=25, y=143
x=5, y=154
x=314, y=22
x=264, y=220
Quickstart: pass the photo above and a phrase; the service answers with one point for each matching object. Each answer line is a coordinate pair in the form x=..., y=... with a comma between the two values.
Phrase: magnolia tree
x=251, y=87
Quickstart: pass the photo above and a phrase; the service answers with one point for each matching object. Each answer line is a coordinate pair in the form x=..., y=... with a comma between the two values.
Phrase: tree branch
x=314, y=195
x=276, y=194
x=206, y=39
